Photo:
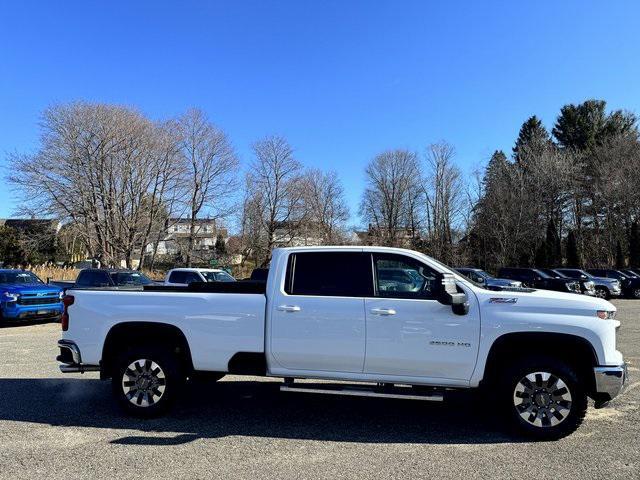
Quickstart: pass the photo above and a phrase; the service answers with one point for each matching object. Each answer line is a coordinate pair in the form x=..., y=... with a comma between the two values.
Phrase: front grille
x=38, y=300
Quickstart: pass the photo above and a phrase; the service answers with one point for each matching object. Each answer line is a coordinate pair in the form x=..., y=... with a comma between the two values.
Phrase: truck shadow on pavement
x=244, y=408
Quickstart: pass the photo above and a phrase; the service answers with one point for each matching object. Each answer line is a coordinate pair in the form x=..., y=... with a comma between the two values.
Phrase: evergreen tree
x=584, y=126
x=573, y=256
x=552, y=245
x=11, y=252
x=619, y=255
x=220, y=247
x=634, y=246
x=541, y=260
x=532, y=138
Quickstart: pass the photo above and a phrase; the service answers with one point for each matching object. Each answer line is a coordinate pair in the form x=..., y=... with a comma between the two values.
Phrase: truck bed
x=213, y=287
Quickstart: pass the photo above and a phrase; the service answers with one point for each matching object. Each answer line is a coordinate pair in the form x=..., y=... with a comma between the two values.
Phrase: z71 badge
x=502, y=300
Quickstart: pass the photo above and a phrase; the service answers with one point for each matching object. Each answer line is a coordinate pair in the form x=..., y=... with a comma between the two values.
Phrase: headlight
x=573, y=286
x=10, y=297
x=606, y=314
x=589, y=285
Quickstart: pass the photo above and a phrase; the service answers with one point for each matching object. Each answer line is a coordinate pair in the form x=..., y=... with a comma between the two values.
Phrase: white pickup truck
x=370, y=321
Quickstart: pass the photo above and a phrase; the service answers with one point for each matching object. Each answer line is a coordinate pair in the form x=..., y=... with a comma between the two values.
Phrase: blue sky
x=342, y=80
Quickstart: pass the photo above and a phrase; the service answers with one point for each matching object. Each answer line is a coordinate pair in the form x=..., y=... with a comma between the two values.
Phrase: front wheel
x=602, y=292
x=146, y=380
x=636, y=293
x=543, y=398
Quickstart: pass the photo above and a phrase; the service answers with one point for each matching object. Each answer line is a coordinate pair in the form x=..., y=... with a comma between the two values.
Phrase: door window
x=397, y=276
x=177, y=277
x=337, y=274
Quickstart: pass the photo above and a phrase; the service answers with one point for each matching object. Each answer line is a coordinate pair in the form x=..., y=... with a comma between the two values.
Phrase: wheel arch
x=573, y=349
x=124, y=334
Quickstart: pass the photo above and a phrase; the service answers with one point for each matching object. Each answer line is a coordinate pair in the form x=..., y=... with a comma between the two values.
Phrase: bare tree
x=389, y=202
x=326, y=210
x=210, y=170
x=275, y=193
x=444, y=199
x=94, y=168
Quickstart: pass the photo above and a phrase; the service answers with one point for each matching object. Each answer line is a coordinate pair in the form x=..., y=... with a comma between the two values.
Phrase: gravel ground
x=66, y=426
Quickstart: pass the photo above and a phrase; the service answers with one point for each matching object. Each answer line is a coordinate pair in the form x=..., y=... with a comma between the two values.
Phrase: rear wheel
x=602, y=292
x=147, y=380
x=543, y=398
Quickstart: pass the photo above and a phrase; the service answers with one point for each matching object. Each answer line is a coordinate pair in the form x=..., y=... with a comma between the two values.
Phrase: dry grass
x=64, y=273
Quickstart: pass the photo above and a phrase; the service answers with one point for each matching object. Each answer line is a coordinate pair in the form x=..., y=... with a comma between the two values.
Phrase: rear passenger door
x=318, y=317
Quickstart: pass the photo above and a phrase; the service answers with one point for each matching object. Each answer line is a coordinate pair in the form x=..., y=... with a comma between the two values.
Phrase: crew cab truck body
x=343, y=314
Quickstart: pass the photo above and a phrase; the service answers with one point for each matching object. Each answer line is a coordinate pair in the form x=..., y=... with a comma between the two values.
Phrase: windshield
x=130, y=278
x=541, y=273
x=218, y=277
x=12, y=278
x=558, y=274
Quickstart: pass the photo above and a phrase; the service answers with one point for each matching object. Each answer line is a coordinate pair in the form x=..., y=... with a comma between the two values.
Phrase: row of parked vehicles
x=599, y=282
x=24, y=296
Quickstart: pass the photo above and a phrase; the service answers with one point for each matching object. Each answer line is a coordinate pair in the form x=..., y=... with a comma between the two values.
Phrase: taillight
x=67, y=301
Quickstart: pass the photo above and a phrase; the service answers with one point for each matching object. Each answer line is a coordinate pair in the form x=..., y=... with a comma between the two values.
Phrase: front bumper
x=23, y=312
x=609, y=382
x=71, y=360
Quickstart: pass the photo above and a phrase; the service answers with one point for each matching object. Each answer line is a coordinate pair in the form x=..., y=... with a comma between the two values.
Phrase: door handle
x=289, y=308
x=383, y=311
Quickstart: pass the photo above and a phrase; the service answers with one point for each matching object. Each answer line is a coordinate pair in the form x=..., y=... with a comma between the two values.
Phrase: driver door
x=409, y=333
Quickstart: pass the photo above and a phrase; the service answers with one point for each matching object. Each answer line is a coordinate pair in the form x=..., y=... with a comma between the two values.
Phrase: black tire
x=139, y=387
x=635, y=293
x=604, y=293
x=548, y=413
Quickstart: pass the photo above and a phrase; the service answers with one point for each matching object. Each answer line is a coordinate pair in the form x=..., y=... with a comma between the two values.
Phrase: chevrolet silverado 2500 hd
x=388, y=322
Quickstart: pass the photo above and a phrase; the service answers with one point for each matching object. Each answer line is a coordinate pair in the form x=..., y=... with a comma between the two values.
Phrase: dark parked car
x=534, y=278
x=588, y=287
x=486, y=280
x=120, y=279
x=630, y=272
x=630, y=286
x=605, y=287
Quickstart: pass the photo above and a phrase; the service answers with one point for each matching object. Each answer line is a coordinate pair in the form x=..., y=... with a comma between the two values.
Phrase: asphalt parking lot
x=65, y=426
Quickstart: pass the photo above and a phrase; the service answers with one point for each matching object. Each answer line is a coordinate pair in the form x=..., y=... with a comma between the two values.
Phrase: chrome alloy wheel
x=542, y=399
x=601, y=293
x=143, y=383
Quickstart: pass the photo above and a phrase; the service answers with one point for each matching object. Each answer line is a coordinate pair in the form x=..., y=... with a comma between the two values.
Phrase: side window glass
x=83, y=279
x=398, y=276
x=330, y=274
x=177, y=277
x=192, y=277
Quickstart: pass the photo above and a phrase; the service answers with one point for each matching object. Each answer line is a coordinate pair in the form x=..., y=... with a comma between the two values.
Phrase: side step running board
x=363, y=391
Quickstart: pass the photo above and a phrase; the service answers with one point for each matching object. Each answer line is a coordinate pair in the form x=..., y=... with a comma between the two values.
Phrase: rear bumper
x=609, y=382
x=70, y=359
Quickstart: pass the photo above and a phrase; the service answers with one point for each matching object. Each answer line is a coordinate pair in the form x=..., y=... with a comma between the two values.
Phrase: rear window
x=331, y=274
x=93, y=279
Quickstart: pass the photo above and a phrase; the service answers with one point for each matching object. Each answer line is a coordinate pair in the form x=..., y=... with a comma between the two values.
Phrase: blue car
x=23, y=296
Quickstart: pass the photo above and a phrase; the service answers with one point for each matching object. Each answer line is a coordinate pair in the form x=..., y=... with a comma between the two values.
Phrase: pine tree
x=220, y=246
x=533, y=137
x=541, y=259
x=552, y=244
x=634, y=246
x=619, y=255
x=573, y=256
